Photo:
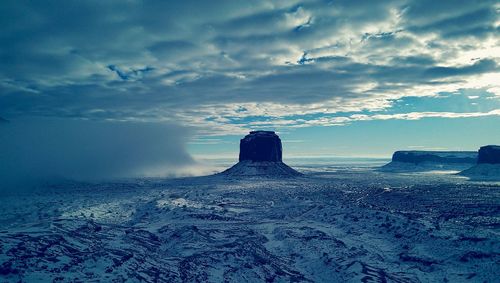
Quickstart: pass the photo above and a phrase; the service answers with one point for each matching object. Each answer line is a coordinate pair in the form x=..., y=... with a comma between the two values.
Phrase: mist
x=34, y=150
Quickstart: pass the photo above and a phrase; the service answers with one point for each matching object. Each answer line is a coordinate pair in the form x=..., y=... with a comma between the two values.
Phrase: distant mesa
x=261, y=156
x=418, y=157
x=488, y=165
x=483, y=165
x=489, y=154
x=420, y=160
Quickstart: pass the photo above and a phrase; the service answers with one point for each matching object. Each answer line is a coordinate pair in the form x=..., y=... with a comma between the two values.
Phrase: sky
x=333, y=78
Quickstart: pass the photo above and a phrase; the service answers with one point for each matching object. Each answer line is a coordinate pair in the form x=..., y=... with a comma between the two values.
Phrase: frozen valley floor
x=343, y=226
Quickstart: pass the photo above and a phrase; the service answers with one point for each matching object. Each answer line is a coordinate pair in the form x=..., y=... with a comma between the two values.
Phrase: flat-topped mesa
x=260, y=156
x=420, y=156
x=421, y=160
x=261, y=146
x=489, y=154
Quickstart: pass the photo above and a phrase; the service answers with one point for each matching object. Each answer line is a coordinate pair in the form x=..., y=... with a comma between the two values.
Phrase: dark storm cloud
x=478, y=23
x=434, y=16
x=193, y=60
x=413, y=60
x=481, y=66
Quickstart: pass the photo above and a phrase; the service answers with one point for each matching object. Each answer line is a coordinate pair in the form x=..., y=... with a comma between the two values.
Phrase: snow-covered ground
x=401, y=167
x=338, y=223
x=484, y=171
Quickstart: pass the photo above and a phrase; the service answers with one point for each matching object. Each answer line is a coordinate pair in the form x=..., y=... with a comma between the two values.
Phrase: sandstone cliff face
x=261, y=146
x=489, y=154
x=260, y=156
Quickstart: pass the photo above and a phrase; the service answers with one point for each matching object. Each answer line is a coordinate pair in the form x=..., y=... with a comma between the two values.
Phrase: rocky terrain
x=347, y=225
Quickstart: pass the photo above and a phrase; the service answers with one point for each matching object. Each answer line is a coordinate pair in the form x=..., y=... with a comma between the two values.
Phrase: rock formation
x=488, y=165
x=261, y=146
x=447, y=157
x=419, y=160
x=489, y=154
x=261, y=155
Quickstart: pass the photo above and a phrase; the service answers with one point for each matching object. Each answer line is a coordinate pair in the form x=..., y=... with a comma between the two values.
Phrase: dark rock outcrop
x=261, y=146
x=260, y=156
x=489, y=154
x=488, y=165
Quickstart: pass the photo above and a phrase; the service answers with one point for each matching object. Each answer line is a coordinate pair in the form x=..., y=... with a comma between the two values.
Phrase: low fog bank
x=34, y=150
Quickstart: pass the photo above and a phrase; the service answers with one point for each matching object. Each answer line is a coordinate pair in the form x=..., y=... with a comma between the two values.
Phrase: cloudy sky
x=345, y=78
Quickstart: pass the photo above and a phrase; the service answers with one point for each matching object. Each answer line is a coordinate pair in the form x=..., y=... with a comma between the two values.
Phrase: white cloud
x=209, y=61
